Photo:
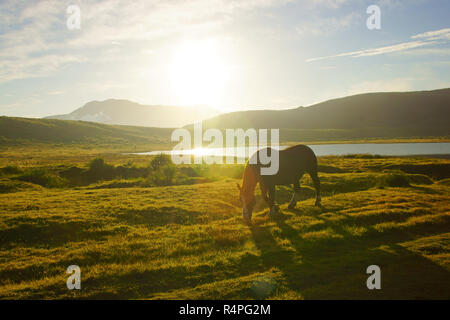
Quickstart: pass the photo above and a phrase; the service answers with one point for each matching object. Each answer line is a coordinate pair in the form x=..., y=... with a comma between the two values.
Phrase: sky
x=228, y=54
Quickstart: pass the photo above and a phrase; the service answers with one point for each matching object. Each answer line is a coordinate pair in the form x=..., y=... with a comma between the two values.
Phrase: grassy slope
x=409, y=110
x=385, y=115
x=23, y=130
x=190, y=242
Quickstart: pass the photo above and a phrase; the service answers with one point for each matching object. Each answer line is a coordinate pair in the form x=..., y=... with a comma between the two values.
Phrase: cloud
x=56, y=93
x=330, y=3
x=20, y=107
x=428, y=51
x=425, y=39
x=33, y=67
x=377, y=51
x=325, y=26
x=35, y=42
x=442, y=34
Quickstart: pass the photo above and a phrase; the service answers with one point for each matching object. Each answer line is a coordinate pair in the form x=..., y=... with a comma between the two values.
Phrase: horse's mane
x=250, y=179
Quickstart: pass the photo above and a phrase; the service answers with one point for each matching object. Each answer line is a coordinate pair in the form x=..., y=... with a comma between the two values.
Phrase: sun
x=198, y=73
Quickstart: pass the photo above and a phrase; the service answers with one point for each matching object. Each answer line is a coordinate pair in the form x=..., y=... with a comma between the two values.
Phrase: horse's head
x=247, y=192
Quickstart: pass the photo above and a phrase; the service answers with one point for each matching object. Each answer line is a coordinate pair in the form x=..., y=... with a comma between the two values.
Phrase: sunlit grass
x=189, y=241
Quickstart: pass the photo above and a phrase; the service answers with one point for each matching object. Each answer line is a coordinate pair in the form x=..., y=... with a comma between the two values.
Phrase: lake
x=383, y=149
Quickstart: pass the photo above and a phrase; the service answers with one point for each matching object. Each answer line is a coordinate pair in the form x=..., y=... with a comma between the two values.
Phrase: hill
x=389, y=114
x=382, y=116
x=66, y=131
x=124, y=112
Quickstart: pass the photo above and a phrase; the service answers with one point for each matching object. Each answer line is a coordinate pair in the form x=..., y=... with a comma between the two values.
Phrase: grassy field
x=188, y=241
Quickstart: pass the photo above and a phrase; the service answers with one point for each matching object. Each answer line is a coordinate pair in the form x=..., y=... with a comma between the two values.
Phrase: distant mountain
x=124, y=112
x=421, y=114
x=411, y=113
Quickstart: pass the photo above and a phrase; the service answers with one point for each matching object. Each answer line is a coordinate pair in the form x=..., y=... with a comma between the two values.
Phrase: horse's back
x=299, y=150
x=293, y=162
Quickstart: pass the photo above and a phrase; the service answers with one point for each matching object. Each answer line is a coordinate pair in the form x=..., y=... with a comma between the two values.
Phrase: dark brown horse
x=293, y=162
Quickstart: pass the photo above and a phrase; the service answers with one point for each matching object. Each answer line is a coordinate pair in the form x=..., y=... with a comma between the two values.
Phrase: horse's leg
x=264, y=192
x=293, y=201
x=316, y=181
x=273, y=207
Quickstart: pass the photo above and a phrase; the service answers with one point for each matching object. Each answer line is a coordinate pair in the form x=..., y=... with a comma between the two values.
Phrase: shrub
x=10, y=170
x=7, y=186
x=163, y=171
x=419, y=179
x=393, y=180
x=99, y=170
x=43, y=178
x=433, y=170
x=445, y=182
x=76, y=176
x=350, y=182
x=160, y=161
x=189, y=172
x=165, y=176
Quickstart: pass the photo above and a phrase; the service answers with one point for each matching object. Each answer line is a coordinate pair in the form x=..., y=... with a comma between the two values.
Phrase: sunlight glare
x=198, y=73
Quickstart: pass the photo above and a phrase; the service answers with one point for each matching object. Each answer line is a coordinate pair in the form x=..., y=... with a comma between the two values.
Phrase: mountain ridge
x=420, y=114
x=126, y=112
x=367, y=110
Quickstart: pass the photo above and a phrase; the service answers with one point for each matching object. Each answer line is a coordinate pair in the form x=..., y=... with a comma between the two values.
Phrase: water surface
x=383, y=149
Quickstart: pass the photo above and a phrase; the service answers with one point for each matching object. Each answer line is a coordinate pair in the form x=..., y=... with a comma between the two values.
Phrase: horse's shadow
x=336, y=267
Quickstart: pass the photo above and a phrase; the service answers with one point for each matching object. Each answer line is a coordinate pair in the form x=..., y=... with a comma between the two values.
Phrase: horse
x=293, y=163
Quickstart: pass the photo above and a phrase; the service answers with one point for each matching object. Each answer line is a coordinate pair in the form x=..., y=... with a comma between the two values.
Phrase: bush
x=393, y=180
x=164, y=175
x=419, y=179
x=43, y=178
x=76, y=176
x=10, y=170
x=433, y=170
x=99, y=170
x=445, y=182
x=7, y=186
x=160, y=161
x=163, y=171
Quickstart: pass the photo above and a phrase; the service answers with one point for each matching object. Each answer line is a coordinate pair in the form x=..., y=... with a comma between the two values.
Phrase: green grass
x=188, y=241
